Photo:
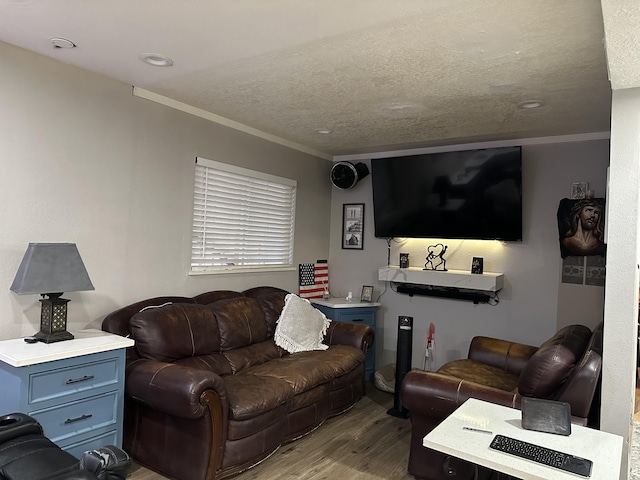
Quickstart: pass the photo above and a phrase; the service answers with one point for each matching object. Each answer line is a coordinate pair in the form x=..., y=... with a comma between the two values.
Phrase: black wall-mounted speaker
x=403, y=363
x=345, y=175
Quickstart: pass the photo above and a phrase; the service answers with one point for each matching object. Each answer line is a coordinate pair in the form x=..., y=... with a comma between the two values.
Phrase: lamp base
x=53, y=337
x=53, y=319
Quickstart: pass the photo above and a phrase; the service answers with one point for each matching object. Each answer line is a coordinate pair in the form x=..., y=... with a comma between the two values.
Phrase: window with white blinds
x=242, y=219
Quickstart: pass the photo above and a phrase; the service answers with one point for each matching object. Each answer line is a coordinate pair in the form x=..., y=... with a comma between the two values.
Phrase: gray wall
x=533, y=303
x=84, y=161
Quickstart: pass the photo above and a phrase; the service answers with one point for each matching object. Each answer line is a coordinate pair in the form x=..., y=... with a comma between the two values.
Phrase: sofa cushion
x=272, y=304
x=214, y=362
x=472, y=371
x=340, y=358
x=253, y=395
x=300, y=372
x=215, y=295
x=174, y=331
x=241, y=322
x=550, y=366
x=241, y=358
x=301, y=327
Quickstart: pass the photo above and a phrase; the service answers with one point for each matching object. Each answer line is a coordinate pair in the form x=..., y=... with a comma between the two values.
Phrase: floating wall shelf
x=451, y=280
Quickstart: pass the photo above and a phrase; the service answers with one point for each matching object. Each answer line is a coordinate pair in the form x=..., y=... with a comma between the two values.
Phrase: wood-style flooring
x=362, y=444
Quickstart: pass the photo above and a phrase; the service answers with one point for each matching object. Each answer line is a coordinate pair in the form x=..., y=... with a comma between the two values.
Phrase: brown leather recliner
x=564, y=368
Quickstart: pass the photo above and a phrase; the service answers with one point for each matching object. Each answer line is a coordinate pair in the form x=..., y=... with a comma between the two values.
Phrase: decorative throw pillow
x=301, y=327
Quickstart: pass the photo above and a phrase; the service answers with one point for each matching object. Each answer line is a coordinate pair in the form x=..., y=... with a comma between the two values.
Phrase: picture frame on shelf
x=352, y=226
x=367, y=293
x=477, y=265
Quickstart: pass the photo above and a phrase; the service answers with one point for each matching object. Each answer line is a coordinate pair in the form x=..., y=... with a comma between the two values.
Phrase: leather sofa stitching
x=458, y=391
x=506, y=357
x=156, y=373
x=193, y=343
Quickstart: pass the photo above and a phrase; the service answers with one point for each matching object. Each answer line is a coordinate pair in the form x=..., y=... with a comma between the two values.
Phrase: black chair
x=26, y=454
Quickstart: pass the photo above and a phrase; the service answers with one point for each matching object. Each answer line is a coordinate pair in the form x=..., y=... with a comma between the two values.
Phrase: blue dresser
x=340, y=310
x=74, y=388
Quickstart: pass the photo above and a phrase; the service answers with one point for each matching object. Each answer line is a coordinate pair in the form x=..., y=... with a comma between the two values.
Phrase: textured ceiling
x=382, y=75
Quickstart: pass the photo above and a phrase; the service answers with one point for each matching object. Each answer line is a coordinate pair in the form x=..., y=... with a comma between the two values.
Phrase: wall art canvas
x=352, y=226
x=581, y=227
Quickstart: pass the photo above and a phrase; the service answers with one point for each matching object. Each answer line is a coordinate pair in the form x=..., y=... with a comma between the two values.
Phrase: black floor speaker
x=403, y=363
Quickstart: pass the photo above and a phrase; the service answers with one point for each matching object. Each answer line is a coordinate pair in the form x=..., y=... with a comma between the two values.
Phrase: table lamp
x=49, y=269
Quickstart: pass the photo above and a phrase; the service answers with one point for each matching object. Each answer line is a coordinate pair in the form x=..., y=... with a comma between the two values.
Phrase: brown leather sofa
x=564, y=368
x=208, y=393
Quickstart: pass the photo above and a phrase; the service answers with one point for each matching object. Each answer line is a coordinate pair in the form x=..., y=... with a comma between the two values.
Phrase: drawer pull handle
x=82, y=379
x=358, y=320
x=77, y=419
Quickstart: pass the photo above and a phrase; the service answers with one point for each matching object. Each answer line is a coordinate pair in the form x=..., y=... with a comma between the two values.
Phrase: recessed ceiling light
x=528, y=104
x=324, y=131
x=399, y=109
x=156, y=59
x=59, y=42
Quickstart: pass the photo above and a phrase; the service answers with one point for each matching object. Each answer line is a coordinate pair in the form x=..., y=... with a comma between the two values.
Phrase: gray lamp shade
x=51, y=268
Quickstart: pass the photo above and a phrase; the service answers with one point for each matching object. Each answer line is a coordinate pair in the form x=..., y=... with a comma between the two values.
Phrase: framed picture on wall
x=352, y=226
x=579, y=190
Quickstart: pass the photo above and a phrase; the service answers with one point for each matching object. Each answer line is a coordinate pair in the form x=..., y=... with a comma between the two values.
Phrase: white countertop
x=335, y=302
x=602, y=448
x=18, y=353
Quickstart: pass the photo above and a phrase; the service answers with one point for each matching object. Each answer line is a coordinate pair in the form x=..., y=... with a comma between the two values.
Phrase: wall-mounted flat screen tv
x=471, y=194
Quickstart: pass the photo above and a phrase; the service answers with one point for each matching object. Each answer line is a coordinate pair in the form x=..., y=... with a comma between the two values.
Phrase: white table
x=602, y=448
x=18, y=353
x=335, y=302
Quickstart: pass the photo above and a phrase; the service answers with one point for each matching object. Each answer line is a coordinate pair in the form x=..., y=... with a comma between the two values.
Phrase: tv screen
x=472, y=194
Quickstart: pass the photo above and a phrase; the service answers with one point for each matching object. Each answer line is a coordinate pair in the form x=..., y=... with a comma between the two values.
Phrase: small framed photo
x=367, y=294
x=579, y=190
x=352, y=226
x=477, y=266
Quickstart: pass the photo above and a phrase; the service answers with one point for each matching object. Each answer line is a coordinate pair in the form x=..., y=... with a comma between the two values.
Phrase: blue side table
x=74, y=389
x=340, y=310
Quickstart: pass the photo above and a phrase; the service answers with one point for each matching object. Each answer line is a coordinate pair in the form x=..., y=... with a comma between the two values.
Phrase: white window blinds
x=242, y=219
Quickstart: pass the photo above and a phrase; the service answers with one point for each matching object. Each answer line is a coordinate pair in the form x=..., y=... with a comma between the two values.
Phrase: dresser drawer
x=357, y=316
x=74, y=418
x=60, y=383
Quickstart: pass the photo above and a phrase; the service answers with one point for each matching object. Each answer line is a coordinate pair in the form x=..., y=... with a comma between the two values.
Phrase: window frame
x=248, y=174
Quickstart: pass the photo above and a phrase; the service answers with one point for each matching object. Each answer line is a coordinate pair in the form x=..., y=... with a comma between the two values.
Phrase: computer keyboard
x=542, y=455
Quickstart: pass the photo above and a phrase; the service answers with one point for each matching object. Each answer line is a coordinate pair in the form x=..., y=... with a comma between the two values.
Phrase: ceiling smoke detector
x=59, y=42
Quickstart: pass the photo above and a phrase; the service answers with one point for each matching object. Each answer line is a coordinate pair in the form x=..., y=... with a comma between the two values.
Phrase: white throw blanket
x=301, y=327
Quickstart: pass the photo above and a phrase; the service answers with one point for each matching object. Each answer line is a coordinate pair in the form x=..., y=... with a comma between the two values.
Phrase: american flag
x=314, y=278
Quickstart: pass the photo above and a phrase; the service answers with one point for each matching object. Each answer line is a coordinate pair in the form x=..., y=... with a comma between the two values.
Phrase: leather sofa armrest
x=436, y=396
x=357, y=335
x=172, y=389
x=508, y=356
